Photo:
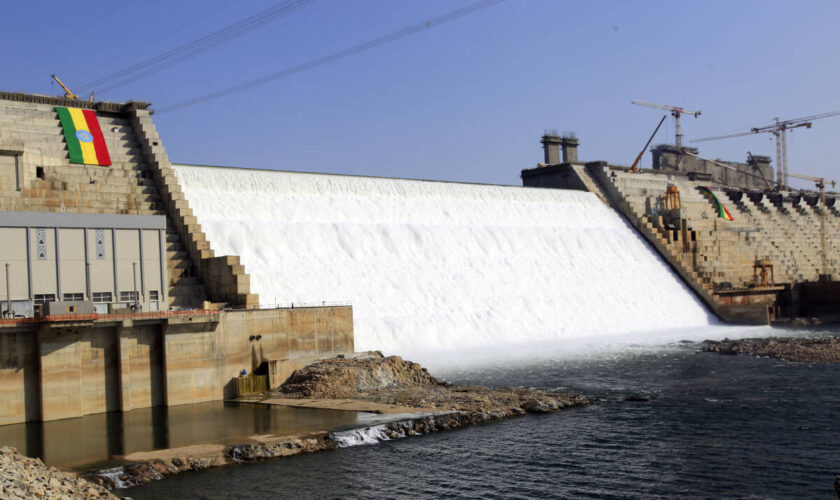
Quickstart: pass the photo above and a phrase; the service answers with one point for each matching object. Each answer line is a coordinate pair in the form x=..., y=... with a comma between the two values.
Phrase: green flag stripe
x=73, y=146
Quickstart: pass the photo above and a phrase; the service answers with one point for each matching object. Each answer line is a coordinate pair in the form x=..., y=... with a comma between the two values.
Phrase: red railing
x=109, y=317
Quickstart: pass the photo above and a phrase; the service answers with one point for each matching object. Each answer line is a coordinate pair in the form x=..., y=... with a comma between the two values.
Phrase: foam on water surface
x=442, y=266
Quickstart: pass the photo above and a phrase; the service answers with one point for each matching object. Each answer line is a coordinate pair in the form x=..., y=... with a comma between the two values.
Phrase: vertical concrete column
x=61, y=373
x=141, y=369
x=570, y=147
x=551, y=146
x=124, y=347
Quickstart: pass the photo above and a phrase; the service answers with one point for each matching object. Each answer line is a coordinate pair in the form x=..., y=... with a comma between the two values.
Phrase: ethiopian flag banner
x=722, y=211
x=84, y=137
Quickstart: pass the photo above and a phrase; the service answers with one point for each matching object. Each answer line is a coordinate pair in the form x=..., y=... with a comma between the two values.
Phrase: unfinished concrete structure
x=139, y=310
x=756, y=173
x=791, y=232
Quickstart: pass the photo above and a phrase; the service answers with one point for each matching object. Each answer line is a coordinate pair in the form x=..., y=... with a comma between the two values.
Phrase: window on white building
x=43, y=298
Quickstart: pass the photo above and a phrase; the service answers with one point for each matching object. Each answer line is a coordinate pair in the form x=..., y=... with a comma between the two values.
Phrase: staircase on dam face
x=139, y=181
x=767, y=226
x=224, y=279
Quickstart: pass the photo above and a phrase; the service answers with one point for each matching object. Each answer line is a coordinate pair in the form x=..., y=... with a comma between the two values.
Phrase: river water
x=103, y=439
x=715, y=427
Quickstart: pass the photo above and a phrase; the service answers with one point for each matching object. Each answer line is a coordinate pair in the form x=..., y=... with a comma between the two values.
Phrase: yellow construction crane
x=635, y=167
x=67, y=93
x=821, y=186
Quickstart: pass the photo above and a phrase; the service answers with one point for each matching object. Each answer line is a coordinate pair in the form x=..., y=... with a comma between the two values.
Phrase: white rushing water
x=442, y=266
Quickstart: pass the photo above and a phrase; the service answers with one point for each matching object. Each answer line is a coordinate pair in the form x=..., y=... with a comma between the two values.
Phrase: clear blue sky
x=464, y=101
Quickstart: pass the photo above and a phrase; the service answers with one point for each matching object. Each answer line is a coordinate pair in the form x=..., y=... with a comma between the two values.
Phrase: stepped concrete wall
x=794, y=231
x=64, y=367
x=37, y=177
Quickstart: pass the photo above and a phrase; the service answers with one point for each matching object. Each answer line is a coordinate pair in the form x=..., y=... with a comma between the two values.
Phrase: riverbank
x=410, y=400
x=802, y=350
x=24, y=477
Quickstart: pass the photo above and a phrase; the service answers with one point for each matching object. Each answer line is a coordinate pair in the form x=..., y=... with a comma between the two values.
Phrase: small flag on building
x=84, y=137
x=721, y=210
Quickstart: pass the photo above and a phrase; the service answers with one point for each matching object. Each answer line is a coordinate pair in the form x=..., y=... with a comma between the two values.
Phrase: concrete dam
x=131, y=282
x=442, y=266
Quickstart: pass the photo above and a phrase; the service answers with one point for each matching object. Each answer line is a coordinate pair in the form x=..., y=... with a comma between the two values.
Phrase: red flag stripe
x=98, y=140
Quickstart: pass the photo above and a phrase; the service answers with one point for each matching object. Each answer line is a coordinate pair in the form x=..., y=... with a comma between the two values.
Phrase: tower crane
x=676, y=112
x=779, y=130
x=821, y=186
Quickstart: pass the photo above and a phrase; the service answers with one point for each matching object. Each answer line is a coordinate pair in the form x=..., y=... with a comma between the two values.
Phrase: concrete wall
x=79, y=254
x=141, y=370
x=19, y=378
x=750, y=175
x=53, y=371
x=561, y=176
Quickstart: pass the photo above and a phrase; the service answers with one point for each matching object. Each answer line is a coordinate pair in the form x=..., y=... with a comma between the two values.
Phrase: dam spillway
x=435, y=265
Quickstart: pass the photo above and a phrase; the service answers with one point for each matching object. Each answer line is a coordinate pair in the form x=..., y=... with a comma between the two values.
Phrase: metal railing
x=108, y=317
x=302, y=305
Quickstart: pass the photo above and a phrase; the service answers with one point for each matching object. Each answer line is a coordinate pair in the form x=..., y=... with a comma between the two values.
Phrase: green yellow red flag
x=85, y=143
x=722, y=211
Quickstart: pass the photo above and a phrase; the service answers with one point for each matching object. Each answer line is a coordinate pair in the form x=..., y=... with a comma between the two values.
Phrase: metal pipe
x=8, y=292
x=134, y=265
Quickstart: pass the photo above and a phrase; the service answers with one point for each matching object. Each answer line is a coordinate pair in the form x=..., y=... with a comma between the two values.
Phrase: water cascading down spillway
x=437, y=265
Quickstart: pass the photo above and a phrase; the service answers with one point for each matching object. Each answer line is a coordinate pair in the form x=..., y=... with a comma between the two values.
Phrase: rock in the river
x=345, y=377
x=394, y=381
x=804, y=350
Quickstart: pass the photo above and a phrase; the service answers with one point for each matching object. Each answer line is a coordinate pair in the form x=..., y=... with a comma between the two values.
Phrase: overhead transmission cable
x=376, y=42
x=193, y=48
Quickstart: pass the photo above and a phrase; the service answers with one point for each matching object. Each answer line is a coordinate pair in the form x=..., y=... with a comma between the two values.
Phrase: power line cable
x=171, y=32
x=199, y=46
x=376, y=42
x=84, y=28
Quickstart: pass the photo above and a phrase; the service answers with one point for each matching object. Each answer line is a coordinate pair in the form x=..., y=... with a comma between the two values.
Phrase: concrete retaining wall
x=51, y=372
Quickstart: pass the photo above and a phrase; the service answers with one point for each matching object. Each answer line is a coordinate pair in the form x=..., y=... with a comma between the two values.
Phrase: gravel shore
x=24, y=477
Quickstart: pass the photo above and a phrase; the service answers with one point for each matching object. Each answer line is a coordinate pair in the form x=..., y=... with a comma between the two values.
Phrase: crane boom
x=67, y=93
x=779, y=130
x=727, y=136
x=676, y=112
x=666, y=107
x=818, y=180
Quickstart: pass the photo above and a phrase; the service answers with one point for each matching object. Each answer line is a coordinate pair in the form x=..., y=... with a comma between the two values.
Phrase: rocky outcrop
x=347, y=377
x=803, y=350
x=394, y=381
x=24, y=477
